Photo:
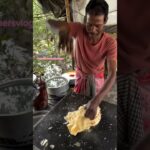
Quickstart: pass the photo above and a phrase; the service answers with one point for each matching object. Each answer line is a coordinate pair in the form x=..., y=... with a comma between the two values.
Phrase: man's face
x=94, y=26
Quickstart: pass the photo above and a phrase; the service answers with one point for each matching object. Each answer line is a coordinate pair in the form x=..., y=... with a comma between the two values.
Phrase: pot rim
x=15, y=114
x=67, y=83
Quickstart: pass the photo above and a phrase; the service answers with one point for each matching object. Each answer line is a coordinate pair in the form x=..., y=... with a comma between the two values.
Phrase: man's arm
x=57, y=26
x=62, y=29
x=95, y=102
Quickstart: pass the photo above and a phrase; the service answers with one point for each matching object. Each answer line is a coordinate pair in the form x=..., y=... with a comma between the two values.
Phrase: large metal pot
x=16, y=125
x=59, y=89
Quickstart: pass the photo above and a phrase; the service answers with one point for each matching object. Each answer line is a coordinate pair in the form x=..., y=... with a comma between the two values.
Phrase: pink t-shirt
x=90, y=58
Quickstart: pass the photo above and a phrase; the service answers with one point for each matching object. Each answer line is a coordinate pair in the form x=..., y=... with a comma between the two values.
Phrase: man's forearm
x=57, y=26
x=106, y=88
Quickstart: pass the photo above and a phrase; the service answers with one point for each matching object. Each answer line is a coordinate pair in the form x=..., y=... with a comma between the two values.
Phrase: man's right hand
x=62, y=28
x=63, y=40
x=91, y=109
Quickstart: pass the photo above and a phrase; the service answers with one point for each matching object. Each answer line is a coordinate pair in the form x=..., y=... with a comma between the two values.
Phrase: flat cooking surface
x=101, y=137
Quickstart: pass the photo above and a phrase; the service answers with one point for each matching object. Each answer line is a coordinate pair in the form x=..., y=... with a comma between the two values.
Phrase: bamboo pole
x=68, y=15
x=67, y=5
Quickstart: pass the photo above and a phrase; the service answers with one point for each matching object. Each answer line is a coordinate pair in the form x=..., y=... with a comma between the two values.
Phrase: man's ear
x=84, y=20
x=105, y=20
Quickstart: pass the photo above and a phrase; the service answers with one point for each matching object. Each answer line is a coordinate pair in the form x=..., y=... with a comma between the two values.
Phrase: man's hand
x=91, y=109
x=62, y=29
x=65, y=42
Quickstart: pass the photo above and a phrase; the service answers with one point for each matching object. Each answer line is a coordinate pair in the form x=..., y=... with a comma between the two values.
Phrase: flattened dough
x=77, y=122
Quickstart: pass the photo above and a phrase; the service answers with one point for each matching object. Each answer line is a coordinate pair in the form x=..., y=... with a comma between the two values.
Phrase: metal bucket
x=60, y=90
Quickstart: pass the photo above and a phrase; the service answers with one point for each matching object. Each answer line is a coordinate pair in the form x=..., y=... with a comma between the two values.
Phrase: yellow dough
x=77, y=122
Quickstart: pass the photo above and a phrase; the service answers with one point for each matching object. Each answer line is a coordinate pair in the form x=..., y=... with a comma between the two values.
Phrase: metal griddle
x=101, y=137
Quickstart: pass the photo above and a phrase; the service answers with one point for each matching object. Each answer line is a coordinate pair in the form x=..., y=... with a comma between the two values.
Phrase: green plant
x=45, y=43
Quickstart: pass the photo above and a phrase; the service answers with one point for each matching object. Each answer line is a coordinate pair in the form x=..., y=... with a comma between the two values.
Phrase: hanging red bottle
x=41, y=102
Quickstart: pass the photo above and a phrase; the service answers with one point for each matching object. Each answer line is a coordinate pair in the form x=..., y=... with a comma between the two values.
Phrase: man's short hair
x=97, y=7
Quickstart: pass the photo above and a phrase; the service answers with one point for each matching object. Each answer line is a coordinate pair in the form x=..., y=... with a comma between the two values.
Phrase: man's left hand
x=91, y=109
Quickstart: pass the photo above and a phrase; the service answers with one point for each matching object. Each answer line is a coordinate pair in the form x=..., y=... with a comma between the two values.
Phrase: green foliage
x=45, y=43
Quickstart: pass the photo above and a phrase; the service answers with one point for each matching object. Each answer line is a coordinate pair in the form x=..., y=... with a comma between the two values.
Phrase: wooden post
x=68, y=15
x=67, y=4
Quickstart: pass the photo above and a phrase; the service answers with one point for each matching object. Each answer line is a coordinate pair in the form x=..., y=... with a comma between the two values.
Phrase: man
x=133, y=61
x=92, y=48
x=144, y=143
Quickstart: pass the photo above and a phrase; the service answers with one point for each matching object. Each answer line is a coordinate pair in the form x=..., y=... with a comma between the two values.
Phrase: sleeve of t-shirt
x=111, y=49
x=75, y=29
